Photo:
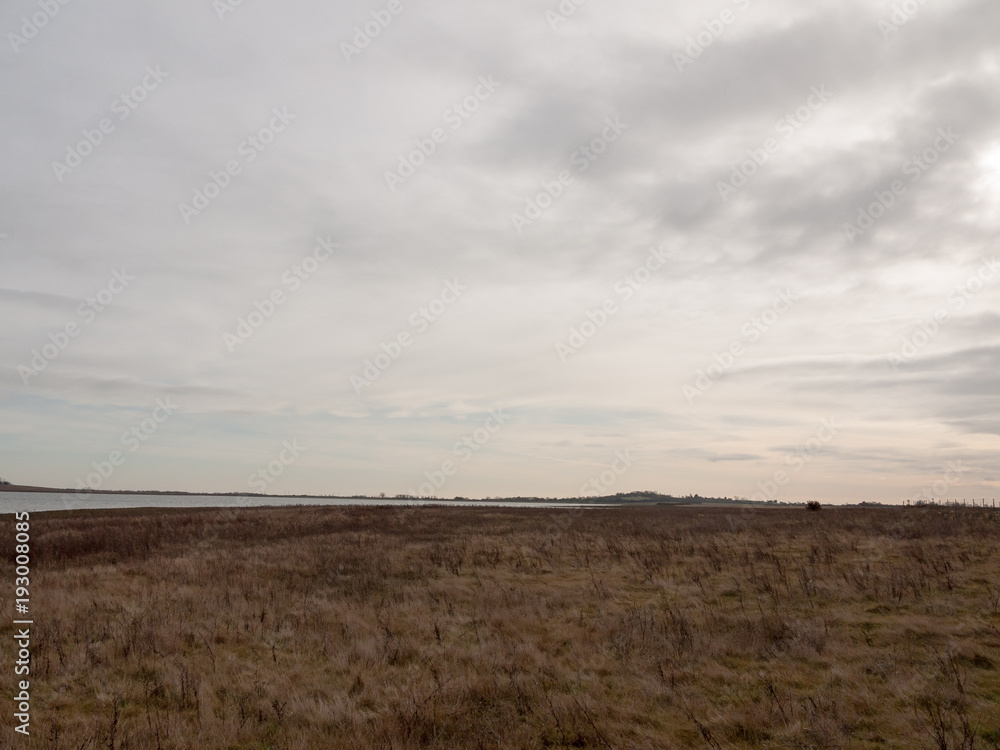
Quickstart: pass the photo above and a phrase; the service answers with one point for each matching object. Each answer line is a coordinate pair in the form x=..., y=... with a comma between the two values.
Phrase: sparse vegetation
x=637, y=627
x=814, y=505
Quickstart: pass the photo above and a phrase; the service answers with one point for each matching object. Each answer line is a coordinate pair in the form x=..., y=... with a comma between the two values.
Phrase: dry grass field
x=649, y=627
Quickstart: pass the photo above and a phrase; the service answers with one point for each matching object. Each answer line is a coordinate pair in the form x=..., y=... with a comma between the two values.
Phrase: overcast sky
x=739, y=248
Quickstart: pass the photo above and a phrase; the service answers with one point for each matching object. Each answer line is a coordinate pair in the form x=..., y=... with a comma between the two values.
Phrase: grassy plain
x=642, y=627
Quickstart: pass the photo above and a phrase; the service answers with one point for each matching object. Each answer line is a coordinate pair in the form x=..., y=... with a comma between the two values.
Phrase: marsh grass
x=653, y=627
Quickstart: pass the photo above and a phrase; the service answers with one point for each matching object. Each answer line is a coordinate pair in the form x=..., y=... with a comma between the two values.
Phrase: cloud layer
x=699, y=234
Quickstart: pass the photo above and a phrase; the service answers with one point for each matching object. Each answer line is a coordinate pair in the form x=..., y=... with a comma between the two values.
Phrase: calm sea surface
x=11, y=502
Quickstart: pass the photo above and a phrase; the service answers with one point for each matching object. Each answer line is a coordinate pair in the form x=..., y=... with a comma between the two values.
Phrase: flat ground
x=655, y=627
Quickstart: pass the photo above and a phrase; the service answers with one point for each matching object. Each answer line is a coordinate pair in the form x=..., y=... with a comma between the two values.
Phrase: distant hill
x=644, y=497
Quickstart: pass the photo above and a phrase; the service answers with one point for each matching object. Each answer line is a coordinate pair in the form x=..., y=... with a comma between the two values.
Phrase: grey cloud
x=325, y=175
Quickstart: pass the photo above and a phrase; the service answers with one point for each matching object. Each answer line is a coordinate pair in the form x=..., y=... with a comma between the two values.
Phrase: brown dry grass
x=461, y=628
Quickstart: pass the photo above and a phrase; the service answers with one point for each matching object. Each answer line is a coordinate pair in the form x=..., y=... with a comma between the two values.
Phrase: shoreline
x=626, y=499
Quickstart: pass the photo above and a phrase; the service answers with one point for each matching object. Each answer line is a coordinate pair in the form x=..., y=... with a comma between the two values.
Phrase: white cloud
x=656, y=184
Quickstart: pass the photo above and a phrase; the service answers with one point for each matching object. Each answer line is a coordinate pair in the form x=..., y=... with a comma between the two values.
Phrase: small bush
x=814, y=505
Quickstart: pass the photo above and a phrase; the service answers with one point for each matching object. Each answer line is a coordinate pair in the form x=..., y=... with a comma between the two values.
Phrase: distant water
x=11, y=502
